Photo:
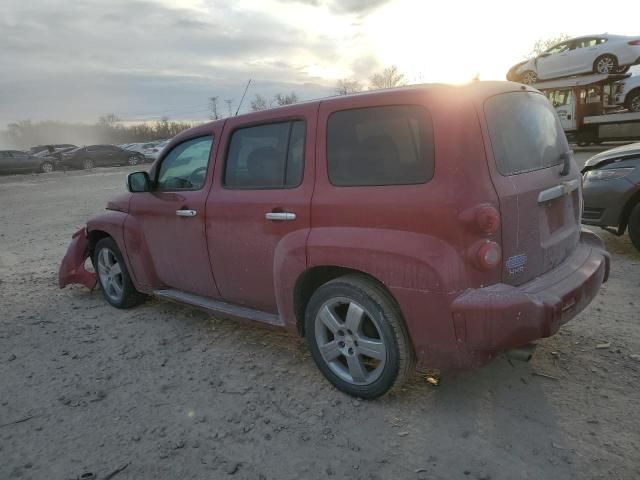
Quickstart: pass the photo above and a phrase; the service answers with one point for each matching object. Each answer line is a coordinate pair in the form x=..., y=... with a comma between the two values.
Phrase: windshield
x=525, y=132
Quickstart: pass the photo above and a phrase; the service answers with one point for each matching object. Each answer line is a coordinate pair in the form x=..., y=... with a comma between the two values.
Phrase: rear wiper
x=566, y=158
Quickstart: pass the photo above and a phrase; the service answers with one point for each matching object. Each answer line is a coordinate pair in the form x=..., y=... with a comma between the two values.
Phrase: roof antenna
x=245, y=92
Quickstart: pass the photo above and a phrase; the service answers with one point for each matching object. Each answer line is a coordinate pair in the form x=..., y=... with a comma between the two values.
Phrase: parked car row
x=150, y=150
x=47, y=158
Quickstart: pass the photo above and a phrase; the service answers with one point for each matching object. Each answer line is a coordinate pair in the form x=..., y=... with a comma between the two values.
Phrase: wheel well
x=313, y=279
x=94, y=236
x=626, y=211
x=630, y=93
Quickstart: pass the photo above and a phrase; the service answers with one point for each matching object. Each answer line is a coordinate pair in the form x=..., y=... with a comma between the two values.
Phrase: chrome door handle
x=186, y=213
x=280, y=216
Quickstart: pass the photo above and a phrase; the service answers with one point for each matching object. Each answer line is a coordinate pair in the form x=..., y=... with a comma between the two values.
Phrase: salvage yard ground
x=171, y=393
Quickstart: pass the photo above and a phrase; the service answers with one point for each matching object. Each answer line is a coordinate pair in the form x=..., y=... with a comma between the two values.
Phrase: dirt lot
x=172, y=393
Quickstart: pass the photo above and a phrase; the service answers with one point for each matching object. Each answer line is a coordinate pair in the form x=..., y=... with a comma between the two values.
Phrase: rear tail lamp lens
x=489, y=255
x=634, y=42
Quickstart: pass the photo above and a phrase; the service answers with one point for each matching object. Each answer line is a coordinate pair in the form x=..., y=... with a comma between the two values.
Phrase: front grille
x=592, y=213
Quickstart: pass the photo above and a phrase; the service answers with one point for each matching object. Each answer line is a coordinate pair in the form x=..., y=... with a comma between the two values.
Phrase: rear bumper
x=499, y=317
x=72, y=267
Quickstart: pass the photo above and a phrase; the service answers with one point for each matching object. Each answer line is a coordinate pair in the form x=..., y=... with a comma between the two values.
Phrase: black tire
x=529, y=77
x=381, y=322
x=87, y=164
x=47, y=167
x=605, y=60
x=623, y=69
x=634, y=226
x=632, y=101
x=128, y=297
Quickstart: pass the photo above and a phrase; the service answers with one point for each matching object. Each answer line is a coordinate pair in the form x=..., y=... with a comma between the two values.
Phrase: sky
x=145, y=59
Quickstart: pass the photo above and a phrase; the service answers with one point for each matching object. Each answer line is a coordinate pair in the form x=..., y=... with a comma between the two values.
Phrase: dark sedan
x=611, y=191
x=100, y=156
x=16, y=161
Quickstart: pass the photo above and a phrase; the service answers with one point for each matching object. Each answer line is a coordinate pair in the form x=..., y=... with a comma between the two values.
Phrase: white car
x=590, y=54
x=628, y=93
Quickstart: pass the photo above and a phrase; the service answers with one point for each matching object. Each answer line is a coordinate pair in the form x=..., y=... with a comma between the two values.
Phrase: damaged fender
x=72, y=267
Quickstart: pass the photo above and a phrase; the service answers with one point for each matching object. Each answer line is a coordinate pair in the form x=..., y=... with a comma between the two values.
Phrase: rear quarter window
x=387, y=145
x=525, y=132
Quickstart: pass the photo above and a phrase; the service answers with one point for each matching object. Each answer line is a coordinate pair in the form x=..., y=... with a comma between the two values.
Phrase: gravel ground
x=169, y=392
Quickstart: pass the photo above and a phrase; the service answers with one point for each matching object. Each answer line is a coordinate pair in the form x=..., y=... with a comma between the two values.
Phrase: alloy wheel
x=110, y=273
x=529, y=78
x=47, y=167
x=635, y=104
x=350, y=341
x=133, y=160
x=87, y=163
x=605, y=65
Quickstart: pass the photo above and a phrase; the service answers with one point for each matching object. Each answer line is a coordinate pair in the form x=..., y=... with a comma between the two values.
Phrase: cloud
x=345, y=6
x=87, y=58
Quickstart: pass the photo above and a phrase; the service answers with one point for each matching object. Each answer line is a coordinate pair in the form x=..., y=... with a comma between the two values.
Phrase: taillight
x=487, y=219
x=488, y=255
x=634, y=42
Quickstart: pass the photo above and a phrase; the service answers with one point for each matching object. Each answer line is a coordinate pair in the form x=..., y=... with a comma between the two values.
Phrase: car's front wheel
x=133, y=160
x=529, y=77
x=605, y=64
x=87, y=164
x=357, y=337
x=113, y=276
x=634, y=226
x=46, y=167
x=623, y=69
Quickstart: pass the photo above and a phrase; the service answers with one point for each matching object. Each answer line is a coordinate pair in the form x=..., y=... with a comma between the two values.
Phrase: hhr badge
x=516, y=264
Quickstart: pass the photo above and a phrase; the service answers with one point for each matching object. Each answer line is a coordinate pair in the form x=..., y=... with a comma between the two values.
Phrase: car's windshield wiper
x=566, y=158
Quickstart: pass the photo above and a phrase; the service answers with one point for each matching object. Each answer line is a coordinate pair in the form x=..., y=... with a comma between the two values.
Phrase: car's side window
x=266, y=156
x=389, y=145
x=559, y=48
x=185, y=166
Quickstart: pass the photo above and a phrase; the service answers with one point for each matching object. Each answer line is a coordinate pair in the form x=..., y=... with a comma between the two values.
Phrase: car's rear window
x=525, y=132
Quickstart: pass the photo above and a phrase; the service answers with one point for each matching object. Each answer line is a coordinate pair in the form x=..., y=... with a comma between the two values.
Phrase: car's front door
x=166, y=225
x=554, y=62
x=258, y=213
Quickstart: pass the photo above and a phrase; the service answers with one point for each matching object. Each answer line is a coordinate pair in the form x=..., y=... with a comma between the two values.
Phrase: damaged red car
x=436, y=225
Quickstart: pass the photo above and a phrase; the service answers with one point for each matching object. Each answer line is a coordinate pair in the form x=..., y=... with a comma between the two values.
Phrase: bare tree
x=346, y=86
x=259, y=103
x=544, y=44
x=281, y=100
x=390, y=77
x=213, y=106
x=108, y=120
x=229, y=102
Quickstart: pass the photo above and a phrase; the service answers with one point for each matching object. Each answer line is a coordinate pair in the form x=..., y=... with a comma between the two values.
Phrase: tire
x=133, y=160
x=633, y=101
x=529, y=77
x=113, y=276
x=634, y=226
x=87, y=164
x=623, y=69
x=605, y=64
x=46, y=167
x=357, y=337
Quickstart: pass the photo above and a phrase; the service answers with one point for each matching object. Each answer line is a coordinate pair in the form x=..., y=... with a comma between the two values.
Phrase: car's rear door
x=259, y=208
x=540, y=201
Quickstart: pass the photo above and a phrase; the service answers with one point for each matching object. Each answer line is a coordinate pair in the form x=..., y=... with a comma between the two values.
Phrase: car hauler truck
x=587, y=111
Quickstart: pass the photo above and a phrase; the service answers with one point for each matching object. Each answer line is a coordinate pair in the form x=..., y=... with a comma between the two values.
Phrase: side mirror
x=138, y=182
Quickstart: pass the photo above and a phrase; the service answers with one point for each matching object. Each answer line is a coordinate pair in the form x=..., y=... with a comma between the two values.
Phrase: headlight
x=607, y=174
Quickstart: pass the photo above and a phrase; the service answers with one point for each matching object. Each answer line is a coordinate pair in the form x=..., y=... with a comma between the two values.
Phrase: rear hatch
x=539, y=207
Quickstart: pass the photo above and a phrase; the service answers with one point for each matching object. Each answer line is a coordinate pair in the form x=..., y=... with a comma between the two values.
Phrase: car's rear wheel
x=133, y=160
x=113, y=276
x=633, y=101
x=605, y=64
x=634, y=226
x=529, y=77
x=46, y=167
x=357, y=337
x=87, y=164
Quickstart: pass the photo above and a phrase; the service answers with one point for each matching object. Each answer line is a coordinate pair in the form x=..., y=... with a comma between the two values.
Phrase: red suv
x=435, y=224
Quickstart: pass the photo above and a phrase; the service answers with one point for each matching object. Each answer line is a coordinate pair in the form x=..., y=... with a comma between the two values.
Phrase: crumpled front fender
x=72, y=267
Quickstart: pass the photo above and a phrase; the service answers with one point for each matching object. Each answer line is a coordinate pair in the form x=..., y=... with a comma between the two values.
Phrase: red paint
x=72, y=267
x=422, y=242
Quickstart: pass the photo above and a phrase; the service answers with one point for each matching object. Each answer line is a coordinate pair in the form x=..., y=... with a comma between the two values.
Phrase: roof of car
x=476, y=89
